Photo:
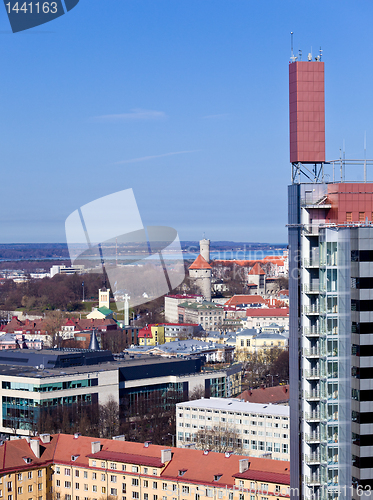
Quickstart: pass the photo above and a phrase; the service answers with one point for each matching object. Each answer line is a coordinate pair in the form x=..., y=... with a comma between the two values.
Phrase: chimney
x=243, y=465
x=166, y=456
x=35, y=447
x=95, y=446
x=45, y=438
x=122, y=437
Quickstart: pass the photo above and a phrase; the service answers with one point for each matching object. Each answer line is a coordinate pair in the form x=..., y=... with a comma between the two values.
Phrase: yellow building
x=74, y=467
x=151, y=335
x=253, y=342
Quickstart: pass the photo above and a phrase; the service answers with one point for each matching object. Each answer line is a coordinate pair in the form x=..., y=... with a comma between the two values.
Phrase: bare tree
x=197, y=393
x=220, y=438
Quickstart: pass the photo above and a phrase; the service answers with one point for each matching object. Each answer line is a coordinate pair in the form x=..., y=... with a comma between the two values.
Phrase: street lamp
x=173, y=438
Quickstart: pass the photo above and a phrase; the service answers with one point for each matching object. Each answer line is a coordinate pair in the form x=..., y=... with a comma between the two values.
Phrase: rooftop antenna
x=320, y=53
x=292, y=57
x=309, y=57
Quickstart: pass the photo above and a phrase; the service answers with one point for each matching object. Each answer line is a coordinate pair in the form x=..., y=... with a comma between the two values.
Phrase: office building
x=331, y=306
x=36, y=381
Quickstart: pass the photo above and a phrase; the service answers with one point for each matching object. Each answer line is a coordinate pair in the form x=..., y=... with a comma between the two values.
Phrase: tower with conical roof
x=201, y=271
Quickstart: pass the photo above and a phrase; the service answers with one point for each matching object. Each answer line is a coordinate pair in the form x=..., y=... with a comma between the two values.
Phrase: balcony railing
x=314, y=332
x=314, y=373
x=314, y=352
x=314, y=416
x=315, y=438
x=315, y=480
x=311, y=262
x=313, y=309
x=315, y=458
x=315, y=395
x=311, y=288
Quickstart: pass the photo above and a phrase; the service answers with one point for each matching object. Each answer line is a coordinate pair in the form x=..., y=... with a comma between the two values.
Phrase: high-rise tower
x=331, y=307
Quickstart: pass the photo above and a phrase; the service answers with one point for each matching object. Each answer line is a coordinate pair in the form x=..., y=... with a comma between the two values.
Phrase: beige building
x=74, y=467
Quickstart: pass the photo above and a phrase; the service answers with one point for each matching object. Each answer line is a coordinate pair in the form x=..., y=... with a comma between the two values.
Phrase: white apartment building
x=261, y=430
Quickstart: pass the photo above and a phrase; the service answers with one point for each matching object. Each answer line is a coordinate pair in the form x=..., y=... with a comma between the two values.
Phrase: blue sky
x=185, y=101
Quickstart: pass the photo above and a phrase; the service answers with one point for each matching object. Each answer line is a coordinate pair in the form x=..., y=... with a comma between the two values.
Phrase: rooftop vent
x=122, y=437
x=45, y=438
x=147, y=444
x=166, y=455
x=76, y=435
x=227, y=454
x=243, y=465
x=35, y=447
x=95, y=446
x=206, y=452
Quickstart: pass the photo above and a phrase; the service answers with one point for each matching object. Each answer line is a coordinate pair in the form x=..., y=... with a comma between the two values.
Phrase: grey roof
x=271, y=336
x=236, y=405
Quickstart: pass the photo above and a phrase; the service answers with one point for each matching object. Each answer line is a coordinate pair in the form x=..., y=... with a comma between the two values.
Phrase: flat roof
x=237, y=405
x=128, y=361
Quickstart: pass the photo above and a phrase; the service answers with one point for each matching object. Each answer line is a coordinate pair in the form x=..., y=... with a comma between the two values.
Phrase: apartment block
x=74, y=467
x=256, y=429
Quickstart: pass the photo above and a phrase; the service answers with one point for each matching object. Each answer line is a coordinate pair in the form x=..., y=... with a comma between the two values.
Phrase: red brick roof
x=277, y=394
x=200, y=263
x=262, y=312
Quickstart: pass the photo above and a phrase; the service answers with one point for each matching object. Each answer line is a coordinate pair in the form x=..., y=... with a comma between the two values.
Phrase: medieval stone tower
x=200, y=271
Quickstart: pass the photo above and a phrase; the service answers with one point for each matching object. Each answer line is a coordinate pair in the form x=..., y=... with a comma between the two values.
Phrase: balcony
x=314, y=332
x=314, y=438
x=310, y=288
x=315, y=395
x=314, y=373
x=314, y=416
x=314, y=352
x=311, y=263
x=312, y=310
x=314, y=459
x=315, y=480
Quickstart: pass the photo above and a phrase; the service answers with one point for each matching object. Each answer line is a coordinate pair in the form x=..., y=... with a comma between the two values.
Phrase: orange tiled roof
x=198, y=466
x=200, y=263
x=277, y=394
x=271, y=311
x=245, y=299
x=257, y=269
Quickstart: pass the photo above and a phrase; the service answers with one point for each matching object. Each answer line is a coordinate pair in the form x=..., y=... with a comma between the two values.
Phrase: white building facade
x=261, y=430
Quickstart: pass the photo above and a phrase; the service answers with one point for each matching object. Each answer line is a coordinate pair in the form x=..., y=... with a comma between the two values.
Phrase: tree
x=197, y=393
x=220, y=438
x=53, y=322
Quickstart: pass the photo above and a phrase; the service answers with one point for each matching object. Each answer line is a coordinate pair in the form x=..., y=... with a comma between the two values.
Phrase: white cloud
x=145, y=158
x=134, y=115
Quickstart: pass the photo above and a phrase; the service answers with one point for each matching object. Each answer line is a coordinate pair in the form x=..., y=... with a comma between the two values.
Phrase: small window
x=348, y=216
x=361, y=216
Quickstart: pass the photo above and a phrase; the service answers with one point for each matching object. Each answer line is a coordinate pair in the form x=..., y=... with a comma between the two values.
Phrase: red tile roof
x=200, y=263
x=257, y=269
x=245, y=299
x=198, y=466
x=262, y=312
x=269, y=477
x=276, y=394
x=128, y=458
